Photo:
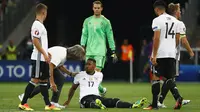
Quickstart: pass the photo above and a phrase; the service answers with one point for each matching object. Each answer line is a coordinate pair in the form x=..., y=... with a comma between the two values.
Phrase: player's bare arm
x=37, y=44
x=63, y=69
x=186, y=44
x=177, y=39
x=51, y=79
x=49, y=55
x=71, y=94
x=155, y=46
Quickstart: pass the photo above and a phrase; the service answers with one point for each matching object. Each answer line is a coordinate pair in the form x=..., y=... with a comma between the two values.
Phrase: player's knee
x=115, y=100
x=112, y=102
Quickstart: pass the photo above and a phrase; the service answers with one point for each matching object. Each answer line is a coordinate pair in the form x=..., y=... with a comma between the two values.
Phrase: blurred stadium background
x=130, y=20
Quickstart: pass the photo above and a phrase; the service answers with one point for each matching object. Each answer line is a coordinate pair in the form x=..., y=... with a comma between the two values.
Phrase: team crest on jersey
x=36, y=32
x=90, y=78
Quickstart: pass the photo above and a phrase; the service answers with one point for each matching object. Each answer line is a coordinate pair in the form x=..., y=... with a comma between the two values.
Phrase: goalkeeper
x=96, y=31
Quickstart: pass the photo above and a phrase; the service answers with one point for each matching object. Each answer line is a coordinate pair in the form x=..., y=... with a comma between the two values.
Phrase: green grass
x=127, y=92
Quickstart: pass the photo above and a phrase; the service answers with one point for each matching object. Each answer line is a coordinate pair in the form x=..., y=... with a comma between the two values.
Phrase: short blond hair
x=173, y=8
x=40, y=7
x=98, y=2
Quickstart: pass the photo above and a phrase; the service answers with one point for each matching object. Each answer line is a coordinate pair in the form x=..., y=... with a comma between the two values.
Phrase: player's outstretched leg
x=117, y=103
x=140, y=103
x=99, y=104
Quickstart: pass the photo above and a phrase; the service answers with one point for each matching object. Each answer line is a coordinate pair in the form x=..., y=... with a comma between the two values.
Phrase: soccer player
x=166, y=37
x=96, y=31
x=174, y=10
x=59, y=55
x=89, y=82
x=39, y=60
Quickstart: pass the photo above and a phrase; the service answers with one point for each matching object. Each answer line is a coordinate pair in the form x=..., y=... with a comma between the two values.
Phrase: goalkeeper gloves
x=114, y=57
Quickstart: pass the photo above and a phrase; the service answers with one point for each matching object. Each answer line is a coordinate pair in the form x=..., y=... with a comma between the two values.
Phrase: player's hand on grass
x=114, y=57
x=54, y=87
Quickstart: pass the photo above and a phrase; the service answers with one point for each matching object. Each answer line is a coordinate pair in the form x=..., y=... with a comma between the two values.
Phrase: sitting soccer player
x=89, y=82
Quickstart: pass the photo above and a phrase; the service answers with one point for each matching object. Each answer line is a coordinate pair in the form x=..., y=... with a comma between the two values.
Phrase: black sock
x=121, y=104
x=45, y=92
x=164, y=92
x=155, y=91
x=35, y=92
x=171, y=85
x=29, y=88
x=175, y=92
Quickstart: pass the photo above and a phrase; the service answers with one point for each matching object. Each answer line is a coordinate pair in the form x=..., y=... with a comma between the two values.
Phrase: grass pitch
x=126, y=92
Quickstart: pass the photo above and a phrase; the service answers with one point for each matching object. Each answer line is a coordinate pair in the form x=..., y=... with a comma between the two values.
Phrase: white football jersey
x=89, y=84
x=182, y=29
x=39, y=31
x=168, y=26
x=58, y=55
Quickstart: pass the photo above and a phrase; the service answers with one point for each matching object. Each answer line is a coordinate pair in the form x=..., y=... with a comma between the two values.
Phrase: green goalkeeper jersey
x=95, y=33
